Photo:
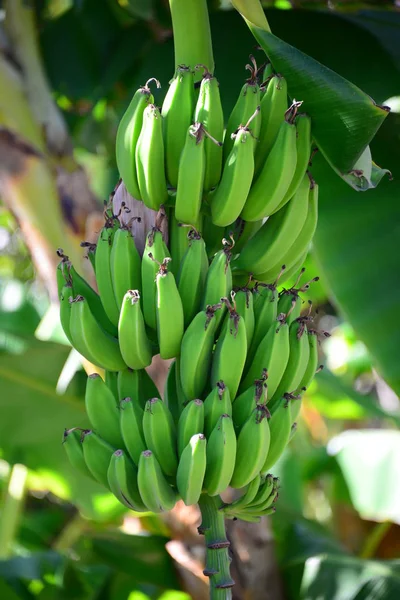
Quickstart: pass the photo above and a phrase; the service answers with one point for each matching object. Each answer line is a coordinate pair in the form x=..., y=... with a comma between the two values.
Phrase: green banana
x=252, y=447
x=299, y=355
x=280, y=425
x=213, y=236
x=122, y=481
x=265, y=313
x=72, y=444
x=177, y=112
x=160, y=434
x=191, y=469
x=191, y=421
x=65, y=296
x=230, y=352
x=169, y=312
x=299, y=248
x=246, y=105
x=71, y=279
x=171, y=396
x=272, y=241
x=192, y=162
x=196, y=352
x=192, y=275
x=131, y=425
x=255, y=395
x=221, y=456
x=128, y=135
x=249, y=494
x=149, y=157
x=155, y=246
x=103, y=272
x=137, y=385
x=277, y=172
x=311, y=369
x=125, y=264
x=95, y=344
x=244, y=307
x=209, y=112
x=268, y=486
x=103, y=411
x=218, y=282
x=91, y=253
x=111, y=380
x=231, y=194
x=97, y=453
x=217, y=403
x=133, y=341
x=272, y=354
x=303, y=147
x=155, y=491
x=267, y=74
x=242, y=231
x=273, y=105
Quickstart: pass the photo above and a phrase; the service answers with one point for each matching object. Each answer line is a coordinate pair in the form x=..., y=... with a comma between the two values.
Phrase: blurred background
x=68, y=69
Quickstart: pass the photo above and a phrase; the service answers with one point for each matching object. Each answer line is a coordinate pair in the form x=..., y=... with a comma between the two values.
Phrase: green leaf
x=344, y=119
x=369, y=462
x=356, y=248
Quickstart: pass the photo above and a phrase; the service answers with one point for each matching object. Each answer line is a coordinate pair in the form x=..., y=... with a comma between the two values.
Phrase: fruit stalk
x=217, y=548
x=192, y=36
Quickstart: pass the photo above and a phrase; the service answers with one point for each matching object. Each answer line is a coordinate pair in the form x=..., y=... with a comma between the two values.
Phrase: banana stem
x=217, y=548
x=192, y=35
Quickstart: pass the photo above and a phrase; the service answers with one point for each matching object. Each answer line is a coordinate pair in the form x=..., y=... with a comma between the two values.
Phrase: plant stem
x=217, y=545
x=11, y=509
x=374, y=539
x=192, y=35
x=253, y=12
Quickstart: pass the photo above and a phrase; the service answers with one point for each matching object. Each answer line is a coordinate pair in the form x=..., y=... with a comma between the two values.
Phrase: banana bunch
x=242, y=209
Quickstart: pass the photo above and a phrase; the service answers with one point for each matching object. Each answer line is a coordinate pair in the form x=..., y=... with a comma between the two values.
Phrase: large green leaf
x=345, y=119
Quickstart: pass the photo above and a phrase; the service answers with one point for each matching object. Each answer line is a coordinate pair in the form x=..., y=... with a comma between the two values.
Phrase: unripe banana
x=155, y=246
x=192, y=275
x=177, y=112
x=273, y=104
x=300, y=245
x=252, y=447
x=231, y=194
x=103, y=271
x=311, y=370
x=246, y=104
x=179, y=240
x=125, y=264
x=242, y=231
x=191, y=469
x=133, y=341
x=131, y=424
x=155, y=491
x=244, y=308
x=303, y=147
x=221, y=456
x=265, y=313
x=280, y=425
x=169, y=313
x=122, y=481
x=65, y=295
x=97, y=453
x=160, y=434
x=192, y=164
x=268, y=486
x=137, y=385
x=196, y=352
x=230, y=352
x=267, y=74
x=299, y=355
x=249, y=494
x=274, y=179
x=102, y=410
x=128, y=135
x=95, y=344
x=72, y=444
x=290, y=302
x=217, y=403
x=171, y=396
x=219, y=280
x=273, y=240
x=149, y=158
x=191, y=421
x=68, y=276
x=209, y=112
x=111, y=380
x=244, y=405
x=272, y=354
x=213, y=236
